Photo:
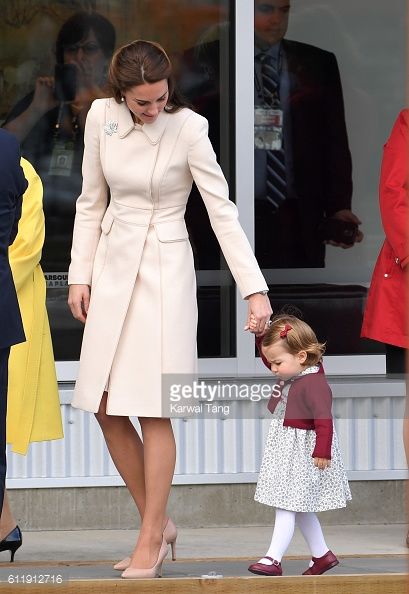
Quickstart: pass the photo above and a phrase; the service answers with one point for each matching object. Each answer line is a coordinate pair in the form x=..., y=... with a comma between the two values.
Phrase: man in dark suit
x=12, y=187
x=312, y=177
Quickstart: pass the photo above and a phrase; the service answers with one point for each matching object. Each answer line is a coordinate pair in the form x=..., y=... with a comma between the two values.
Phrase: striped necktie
x=276, y=173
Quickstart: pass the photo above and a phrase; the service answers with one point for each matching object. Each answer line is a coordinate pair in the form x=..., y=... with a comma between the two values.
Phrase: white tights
x=283, y=532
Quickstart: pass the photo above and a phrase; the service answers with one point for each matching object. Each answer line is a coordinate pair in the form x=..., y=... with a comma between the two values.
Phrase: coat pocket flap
x=171, y=231
x=106, y=222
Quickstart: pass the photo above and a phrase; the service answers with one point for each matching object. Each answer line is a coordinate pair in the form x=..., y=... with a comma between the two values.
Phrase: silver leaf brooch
x=111, y=127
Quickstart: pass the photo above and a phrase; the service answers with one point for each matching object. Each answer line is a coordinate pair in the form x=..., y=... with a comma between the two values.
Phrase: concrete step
x=373, y=561
x=355, y=575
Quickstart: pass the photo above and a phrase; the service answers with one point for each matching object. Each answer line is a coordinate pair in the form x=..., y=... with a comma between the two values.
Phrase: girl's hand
x=78, y=300
x=259, y=313
x=322, y=463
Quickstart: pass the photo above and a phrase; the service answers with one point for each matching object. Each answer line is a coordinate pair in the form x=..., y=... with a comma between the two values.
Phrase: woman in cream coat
x=140, y=315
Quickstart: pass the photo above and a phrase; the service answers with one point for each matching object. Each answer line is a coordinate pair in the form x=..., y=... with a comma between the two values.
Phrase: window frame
x=245, y=363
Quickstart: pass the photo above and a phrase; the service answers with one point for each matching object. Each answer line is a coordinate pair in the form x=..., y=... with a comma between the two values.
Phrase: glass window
x=329, y=84
x=53, y=64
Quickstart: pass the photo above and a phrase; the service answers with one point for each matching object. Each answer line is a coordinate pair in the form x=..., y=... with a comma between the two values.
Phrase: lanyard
x=58, y=124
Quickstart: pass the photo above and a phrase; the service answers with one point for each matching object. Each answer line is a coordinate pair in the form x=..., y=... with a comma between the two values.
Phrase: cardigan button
x=397, y=261
x=386, y=275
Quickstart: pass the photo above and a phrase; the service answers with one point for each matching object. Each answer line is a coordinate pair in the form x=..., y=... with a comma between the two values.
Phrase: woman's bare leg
x=126, y=450
x=159, y=462
x=7, y=520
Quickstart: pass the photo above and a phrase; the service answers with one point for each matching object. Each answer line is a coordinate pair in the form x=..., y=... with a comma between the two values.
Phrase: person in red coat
x=385, y=317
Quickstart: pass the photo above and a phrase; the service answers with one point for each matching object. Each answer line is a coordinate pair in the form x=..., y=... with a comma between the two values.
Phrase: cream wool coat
x=136, y=255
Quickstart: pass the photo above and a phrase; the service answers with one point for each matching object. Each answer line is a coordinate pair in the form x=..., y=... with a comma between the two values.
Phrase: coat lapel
x=125, y=121
x=294, y=67
x=153, y=131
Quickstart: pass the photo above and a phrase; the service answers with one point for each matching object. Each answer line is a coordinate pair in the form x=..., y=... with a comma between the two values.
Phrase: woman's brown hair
x=295, y=335
x=143, y=62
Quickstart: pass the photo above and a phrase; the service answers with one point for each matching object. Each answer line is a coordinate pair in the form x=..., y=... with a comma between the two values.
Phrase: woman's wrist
x=264, y=292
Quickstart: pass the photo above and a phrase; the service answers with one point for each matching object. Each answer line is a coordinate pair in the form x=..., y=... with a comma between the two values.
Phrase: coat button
x=397, y=261
x=386, y=275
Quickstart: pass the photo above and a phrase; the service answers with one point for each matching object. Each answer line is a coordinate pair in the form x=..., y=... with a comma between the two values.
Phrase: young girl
x=302, y=471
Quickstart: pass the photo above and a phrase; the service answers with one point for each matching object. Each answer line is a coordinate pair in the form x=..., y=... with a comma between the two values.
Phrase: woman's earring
x=122, y=98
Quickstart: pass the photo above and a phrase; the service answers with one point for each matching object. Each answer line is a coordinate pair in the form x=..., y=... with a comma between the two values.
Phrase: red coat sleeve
x=393, y=189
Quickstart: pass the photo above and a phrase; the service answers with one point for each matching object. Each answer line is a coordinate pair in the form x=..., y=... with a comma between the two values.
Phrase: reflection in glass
x=303, y=173
x=50, y=120
x=204, y=78
x=45, y=105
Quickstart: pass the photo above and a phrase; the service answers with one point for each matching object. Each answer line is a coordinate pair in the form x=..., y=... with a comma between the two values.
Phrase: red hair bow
x=283, y=333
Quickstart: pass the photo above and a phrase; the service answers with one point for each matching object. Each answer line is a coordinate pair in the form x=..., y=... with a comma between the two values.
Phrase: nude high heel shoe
x=169, y=534
x=132, y=573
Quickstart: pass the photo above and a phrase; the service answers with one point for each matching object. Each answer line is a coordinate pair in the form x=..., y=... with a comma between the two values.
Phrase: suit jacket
x=319, y=168
x=12, y=186
x=319, y=164
x=322, y=167
x=385, y=317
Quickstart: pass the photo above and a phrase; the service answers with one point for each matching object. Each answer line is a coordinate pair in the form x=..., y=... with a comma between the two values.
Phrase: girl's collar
x=308, y=370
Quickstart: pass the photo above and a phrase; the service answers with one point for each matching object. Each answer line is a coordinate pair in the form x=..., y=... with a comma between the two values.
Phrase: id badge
x=268, y=128
x=62, y=159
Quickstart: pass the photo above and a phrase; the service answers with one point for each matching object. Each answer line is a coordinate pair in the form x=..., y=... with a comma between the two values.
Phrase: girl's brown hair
x=143, y=62
x=295, y=336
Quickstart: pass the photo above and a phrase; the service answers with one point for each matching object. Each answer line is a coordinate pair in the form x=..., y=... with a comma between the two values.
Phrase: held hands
x=78, y=300
x=259, y=313
x=322, y=463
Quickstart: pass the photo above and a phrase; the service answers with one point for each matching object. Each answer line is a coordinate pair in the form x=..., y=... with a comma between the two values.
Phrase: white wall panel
x=220, y=450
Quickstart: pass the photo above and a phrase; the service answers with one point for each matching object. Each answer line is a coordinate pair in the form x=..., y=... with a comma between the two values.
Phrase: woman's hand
x=43, y=100
x=259, y=313
x=78, y=300
x=322, y=463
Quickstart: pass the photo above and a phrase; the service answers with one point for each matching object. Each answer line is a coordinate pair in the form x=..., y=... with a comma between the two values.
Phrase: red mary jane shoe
x=262, y=569
x=322, y=564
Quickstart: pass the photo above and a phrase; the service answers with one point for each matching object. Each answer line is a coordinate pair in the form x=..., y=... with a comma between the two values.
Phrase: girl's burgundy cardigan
x=309, y=406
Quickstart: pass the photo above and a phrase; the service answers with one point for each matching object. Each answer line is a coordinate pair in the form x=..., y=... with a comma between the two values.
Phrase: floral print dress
x=288, y=478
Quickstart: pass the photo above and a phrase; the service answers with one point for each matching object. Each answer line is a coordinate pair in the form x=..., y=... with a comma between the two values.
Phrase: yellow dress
x=33, y=406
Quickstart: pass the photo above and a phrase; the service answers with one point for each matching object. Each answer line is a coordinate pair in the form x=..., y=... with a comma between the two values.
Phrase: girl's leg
x=159, y=464
x=7, y=520
x=311, y=530
x=126, y=450
x=282, y=534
